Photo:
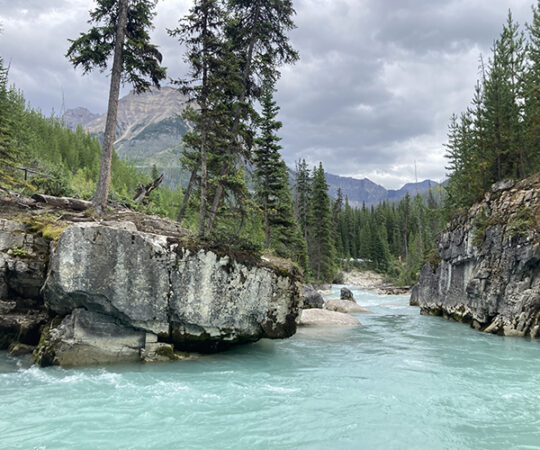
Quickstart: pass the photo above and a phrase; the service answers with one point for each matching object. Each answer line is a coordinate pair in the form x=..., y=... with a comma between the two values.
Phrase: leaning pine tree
x=258, y=33
x=121, y=31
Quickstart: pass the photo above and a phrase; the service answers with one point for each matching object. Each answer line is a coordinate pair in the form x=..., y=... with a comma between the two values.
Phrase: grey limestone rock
x=196, y=299
x=489, y=269
x=85, y=338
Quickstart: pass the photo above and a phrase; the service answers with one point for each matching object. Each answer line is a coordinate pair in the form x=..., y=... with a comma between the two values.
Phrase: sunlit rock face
x=488, y=273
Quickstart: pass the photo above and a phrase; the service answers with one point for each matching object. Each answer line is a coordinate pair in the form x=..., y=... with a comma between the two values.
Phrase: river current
x=402, y=381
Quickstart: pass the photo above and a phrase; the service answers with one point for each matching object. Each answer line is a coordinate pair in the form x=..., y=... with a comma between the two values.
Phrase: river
x=402, y=381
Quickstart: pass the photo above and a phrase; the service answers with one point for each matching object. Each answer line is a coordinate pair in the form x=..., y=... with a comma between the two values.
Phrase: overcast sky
x=372, y=93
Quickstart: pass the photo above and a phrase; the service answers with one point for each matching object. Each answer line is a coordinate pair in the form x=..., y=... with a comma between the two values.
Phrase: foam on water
x=402, y=381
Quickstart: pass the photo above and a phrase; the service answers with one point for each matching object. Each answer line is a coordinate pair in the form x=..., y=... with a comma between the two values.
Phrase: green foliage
x=499, y=135
x=17, y=251
x=321, y=250
x=521, y=223
x=140, y=59
x=480, y=223
x=272, y=184
x=392, y=238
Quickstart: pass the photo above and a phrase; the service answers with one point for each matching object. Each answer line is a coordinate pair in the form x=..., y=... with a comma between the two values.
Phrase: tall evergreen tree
x=273, y=179
x=121, y=31
x=8, y=150
x=258, y=33
x=321, y=240
x=302, y=188
x=202, y=32
x=532, y=94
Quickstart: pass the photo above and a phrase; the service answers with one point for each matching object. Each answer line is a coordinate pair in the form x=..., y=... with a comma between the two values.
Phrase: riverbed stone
x=323, y=317
x=346, y=294
x=312, y=298
x=344, y=306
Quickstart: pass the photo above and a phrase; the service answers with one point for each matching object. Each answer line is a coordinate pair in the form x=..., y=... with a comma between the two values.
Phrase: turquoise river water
x=402, y=381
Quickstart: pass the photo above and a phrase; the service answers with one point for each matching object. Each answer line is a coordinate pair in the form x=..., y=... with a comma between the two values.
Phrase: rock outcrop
x=133, y=288
x=115, y=287
x=488, y=270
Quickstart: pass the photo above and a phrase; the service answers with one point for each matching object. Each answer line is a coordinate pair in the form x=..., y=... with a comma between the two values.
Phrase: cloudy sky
x=372, y=94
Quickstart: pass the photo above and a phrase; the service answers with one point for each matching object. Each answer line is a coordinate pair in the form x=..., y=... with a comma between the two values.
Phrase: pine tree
x=321, y=241
x=201, y=32
x=257, y=32
x=273, y=181
x=302, y=188
x=8, y=150
x=122, y=31
x=532, y=95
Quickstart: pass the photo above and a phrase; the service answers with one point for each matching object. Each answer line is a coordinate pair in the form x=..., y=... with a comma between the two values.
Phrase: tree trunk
x=266, y=226
x=187, y=195
x=63, y=202
x=104, y=181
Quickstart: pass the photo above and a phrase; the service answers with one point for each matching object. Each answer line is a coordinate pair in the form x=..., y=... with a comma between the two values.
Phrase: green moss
x=166, y=351
x=17, y=251
x=48, y=226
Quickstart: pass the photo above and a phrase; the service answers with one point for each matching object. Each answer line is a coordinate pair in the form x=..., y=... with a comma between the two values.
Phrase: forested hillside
x=61, y=161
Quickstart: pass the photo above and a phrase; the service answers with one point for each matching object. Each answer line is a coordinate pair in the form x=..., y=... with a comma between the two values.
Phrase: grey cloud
x=372, y=93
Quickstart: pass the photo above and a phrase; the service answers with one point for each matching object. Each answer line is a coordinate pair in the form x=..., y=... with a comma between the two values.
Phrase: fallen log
x=63, y=202
x=144, y=191
x=19, y=201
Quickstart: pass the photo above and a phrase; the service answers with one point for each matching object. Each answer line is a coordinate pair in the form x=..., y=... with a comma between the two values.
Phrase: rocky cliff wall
x=488, y=273
x=114, y=293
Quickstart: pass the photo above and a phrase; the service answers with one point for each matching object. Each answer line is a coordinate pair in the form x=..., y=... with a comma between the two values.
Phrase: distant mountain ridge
x=359, y=191
x=149, y=132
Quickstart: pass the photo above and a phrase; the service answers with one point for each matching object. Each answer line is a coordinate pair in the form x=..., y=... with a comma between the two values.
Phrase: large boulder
x=344, y=306
x=197, y=299
x=312, y=298
x=323, y=317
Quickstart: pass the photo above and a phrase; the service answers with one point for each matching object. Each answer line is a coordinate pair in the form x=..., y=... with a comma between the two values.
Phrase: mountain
x=78, y=116
x=412, y=189
x=370, y=193
x=149, y=129
x=149, y=132
x=357, y=191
